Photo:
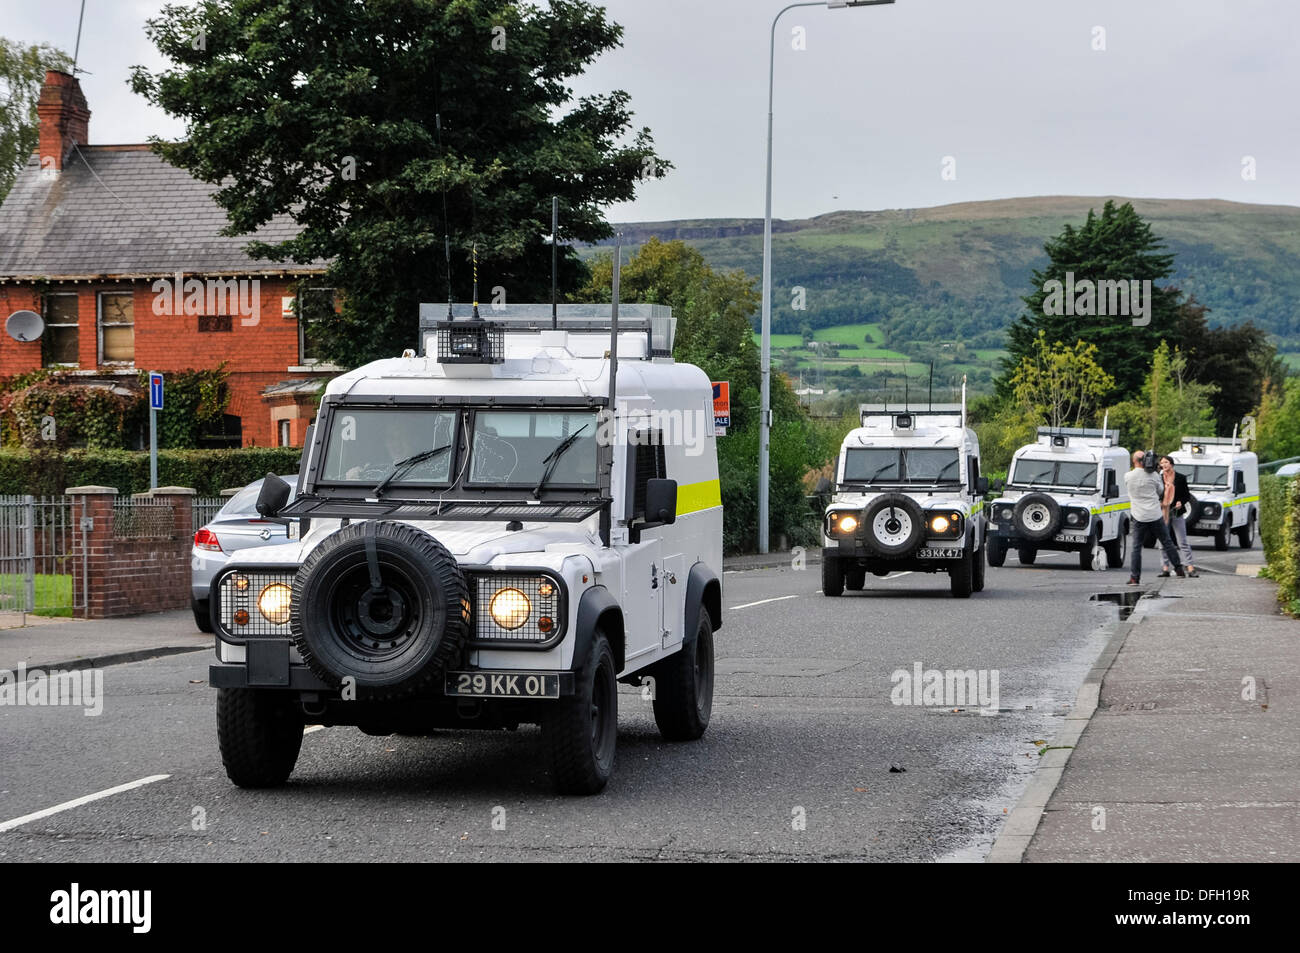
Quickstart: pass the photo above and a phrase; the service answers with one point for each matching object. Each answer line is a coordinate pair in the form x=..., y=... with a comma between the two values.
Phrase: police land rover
x=1224, y=483
x=494, y=532
x=1064, y=492
x=908, y=496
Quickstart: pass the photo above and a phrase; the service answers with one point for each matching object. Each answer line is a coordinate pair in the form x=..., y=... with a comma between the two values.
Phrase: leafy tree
x=22, y=70
x=1003, y=427
x=376, y=126
x=1058, y=383
x=1277, y=421
x=1116, y=245
x=1171, y=405
x=1236, y=361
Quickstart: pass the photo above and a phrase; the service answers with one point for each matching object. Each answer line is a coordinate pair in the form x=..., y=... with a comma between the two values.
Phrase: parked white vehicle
x=908, y=496
x=1065, y=491
x=494, y=532
x=1224, y=481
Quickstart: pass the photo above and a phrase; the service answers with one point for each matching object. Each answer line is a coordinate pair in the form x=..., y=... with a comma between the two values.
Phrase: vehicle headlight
x=274, y=603
x=510, y=608
x=1006, y=513
x=1074, y=518
x=848, y=524
x=939, y=524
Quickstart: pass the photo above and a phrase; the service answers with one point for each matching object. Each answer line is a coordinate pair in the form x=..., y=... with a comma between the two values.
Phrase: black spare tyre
x=893, y=525
x=1037, y=516
x=383, y=604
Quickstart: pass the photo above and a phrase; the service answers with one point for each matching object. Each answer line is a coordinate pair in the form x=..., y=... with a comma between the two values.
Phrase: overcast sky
x=1016, y=92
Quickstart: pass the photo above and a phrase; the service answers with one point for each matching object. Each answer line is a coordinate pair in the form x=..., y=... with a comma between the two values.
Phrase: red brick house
x=121, y=255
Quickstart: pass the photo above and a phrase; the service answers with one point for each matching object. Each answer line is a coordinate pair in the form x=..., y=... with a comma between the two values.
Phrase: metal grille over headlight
x=255, y=603
x=518, y=607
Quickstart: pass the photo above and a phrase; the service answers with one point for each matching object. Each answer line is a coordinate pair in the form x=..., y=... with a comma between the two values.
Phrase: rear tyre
x=202, y=617
x=832, y=577
x=1027, y=555
x=1117, y=548
x=683, y=689
x=962, y=576
x=580, y=733
x=259, y=733
x=855, y=577
x=997, y=554
x=1246, y=537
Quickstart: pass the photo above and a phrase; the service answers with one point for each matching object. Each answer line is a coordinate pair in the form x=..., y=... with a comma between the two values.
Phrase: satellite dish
x=24, y=326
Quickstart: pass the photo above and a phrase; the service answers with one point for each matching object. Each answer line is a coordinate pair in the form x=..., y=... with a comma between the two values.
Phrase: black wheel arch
x=598, y=610
x=703, y=588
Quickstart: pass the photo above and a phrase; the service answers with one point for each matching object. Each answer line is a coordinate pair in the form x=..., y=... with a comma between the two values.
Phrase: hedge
x=1286, y=571
x=1272, y=513
x=50, y=472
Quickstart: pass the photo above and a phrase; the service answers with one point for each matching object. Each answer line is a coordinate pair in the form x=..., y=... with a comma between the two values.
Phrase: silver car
x=236, y=526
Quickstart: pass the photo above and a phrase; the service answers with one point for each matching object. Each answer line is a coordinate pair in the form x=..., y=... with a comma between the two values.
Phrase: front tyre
x=683, y=691
x=580, y=733
x=1117, y=548
x=1223, y=534
x=997, y=554
x=855, y=577
x=202, y=617
x=1027, y=555
x=1246, y=537
x=259, y=733
x=832, y=577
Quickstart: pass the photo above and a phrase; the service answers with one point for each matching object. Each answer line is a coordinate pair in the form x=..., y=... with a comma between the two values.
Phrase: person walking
x=1179, y=502
x=1146, y=490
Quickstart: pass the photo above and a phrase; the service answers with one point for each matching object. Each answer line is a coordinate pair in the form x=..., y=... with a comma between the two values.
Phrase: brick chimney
x=64, y=118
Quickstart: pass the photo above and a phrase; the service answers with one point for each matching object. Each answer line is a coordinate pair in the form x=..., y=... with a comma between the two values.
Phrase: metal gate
x=42, y=567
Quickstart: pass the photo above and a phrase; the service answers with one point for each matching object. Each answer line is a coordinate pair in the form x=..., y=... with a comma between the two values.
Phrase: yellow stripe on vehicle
x=694, y=497
x=1111, y=509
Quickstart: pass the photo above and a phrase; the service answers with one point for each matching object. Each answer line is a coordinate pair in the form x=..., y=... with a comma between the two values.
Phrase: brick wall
x=127, y=576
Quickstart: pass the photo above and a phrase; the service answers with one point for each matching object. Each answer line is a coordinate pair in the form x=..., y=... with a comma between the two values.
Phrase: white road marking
x=900, y=575
x=310, y=728
x=760, y=602
x=78, y=802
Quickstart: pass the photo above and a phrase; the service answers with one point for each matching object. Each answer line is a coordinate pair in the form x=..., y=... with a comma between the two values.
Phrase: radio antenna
x=555, y=232
x=446, y=225
x=474, y=258
x=932, y=385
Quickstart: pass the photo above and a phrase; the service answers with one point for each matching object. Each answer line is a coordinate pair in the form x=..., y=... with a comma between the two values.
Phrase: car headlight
x=1074, y=518
x=939, y=524
x=510, y=608
x=1006, y=513
x=274, y=603
x=845, y=523
x=848, y=524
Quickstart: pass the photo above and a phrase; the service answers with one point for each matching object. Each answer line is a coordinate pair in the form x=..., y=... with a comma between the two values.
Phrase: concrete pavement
x=1189, y=755
x=80, y=643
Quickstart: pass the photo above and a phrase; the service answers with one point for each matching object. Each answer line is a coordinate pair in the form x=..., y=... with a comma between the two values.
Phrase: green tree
x=1236, y=361
x=1060, y=384
x=1171, y=405
x=377, y=126
x=1277, y=421
x=1116, y=245
x=22, y=70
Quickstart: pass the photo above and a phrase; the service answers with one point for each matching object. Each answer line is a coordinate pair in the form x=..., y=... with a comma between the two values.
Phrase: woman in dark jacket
x=1179, y=508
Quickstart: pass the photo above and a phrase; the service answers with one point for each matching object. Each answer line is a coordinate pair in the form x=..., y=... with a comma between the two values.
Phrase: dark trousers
x=1158, y=529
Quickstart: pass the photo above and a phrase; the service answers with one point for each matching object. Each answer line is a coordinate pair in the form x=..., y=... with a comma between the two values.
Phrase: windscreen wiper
x=553, y=458
x=401, y=466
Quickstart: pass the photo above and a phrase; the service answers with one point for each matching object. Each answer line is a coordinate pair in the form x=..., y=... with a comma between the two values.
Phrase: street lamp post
x=765, y=358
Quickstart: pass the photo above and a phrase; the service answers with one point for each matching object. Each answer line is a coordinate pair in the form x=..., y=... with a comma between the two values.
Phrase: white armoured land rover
x=1224, y=482
x=1065, y=492
x=908, y=496
x=484, y=545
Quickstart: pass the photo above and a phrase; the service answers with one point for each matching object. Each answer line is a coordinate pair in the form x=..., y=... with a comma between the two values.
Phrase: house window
x=312, y=305
x=284, y=433
x=59, y=342
x=214, y=323
x=116, y=328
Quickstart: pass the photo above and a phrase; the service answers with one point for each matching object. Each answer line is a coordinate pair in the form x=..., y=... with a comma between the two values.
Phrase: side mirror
x=661, y=502
x=981, y=485
x=273, y=496
x=999, y=485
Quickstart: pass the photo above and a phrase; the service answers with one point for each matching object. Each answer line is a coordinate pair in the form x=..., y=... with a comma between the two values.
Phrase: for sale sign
x=721, y=406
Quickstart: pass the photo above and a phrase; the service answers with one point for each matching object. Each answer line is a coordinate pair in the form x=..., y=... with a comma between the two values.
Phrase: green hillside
x=954, y=274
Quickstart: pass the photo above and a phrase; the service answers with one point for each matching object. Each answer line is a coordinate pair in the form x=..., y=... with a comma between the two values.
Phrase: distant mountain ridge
x=956, y=272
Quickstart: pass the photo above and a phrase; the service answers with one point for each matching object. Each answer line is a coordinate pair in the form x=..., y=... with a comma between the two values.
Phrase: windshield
x=1070, y=474
x=896, y=465
x=364, y=443
x=1209, y=477
x=514, y=448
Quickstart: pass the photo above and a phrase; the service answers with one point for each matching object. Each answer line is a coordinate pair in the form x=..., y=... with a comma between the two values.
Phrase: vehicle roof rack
x=655, y=320
x=1087, y=433
x=916, y=408
x=1214, y=441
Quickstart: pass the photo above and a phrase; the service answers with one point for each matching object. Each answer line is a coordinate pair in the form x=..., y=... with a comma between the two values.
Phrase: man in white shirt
x=1146, y=490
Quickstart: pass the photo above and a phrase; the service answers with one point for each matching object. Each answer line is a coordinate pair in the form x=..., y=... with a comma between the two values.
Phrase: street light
x=765, y=418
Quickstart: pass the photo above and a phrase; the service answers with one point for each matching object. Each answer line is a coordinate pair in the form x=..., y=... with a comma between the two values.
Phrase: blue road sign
x=155, y=391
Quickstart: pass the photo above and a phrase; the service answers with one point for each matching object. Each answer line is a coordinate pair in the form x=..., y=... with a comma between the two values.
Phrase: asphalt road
x=795, y=765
